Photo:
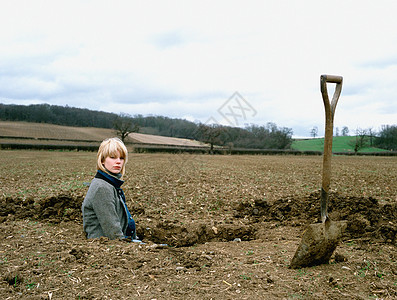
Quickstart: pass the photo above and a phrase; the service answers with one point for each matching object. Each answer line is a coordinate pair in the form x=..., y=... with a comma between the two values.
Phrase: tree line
x=268, y=136
x=386, y=138
x=54, y=114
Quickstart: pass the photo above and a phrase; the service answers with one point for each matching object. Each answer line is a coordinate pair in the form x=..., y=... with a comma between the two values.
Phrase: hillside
x=28, y=133
x=268, y=136
x=339, y=144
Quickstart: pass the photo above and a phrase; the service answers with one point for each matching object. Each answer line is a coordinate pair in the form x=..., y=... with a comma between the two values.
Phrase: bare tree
x=211, y=134
x=360, y=141
x=314, y=131
x=371, y=135
x=124, y=125
x=345, y=131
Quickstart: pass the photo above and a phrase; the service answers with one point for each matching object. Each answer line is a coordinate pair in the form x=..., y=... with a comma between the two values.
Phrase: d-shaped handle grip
x=330, y=107
x=332, y=78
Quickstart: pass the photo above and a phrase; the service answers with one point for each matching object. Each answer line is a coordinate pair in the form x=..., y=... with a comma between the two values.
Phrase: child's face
x=114, y=163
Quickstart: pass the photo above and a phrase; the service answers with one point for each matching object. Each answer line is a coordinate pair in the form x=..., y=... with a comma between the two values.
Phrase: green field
x=339, y=144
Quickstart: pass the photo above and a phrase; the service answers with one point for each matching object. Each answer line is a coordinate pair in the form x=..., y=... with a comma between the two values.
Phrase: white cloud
x=186, y=58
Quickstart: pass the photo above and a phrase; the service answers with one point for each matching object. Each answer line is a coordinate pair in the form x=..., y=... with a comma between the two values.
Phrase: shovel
x=320, y=240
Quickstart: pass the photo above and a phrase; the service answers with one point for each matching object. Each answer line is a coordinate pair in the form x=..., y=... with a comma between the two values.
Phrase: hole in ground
x=189, y=235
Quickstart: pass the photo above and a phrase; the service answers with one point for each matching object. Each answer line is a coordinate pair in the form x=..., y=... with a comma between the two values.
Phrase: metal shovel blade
x=318, y=243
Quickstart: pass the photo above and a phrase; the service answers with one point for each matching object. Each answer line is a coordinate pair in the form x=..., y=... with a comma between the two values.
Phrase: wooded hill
x=268, y=136
x=22, y=135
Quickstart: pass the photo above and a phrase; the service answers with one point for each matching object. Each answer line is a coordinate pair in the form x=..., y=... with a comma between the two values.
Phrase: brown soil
x=231, y=225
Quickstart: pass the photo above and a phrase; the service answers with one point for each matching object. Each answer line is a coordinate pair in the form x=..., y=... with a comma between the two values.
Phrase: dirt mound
x=64, y=208
x=54, y=209
x=60, y=208
x=366, y=217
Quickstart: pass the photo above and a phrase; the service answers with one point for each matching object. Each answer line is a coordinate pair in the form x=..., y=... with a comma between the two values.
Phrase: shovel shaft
x=329, y=126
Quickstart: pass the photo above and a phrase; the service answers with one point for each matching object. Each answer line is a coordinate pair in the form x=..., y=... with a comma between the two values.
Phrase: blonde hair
x=109, y=148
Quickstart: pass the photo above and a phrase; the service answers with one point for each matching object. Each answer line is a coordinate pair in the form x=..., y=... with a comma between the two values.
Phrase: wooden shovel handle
x=329, y=126
x=332, y=78
x=330, y=107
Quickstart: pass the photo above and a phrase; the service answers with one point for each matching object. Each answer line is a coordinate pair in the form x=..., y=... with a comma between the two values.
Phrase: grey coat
x=103, y=212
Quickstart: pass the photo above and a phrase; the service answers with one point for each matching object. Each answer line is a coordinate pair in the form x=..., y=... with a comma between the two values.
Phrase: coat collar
x=109, y=178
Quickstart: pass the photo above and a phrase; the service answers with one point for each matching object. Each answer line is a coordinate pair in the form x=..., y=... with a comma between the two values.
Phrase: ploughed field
x=231, y=225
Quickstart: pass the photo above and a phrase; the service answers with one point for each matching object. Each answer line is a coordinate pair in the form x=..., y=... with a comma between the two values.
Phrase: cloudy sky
x=231, y=62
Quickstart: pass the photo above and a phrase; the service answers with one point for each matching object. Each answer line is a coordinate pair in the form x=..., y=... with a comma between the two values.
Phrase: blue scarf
x=116, y=182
